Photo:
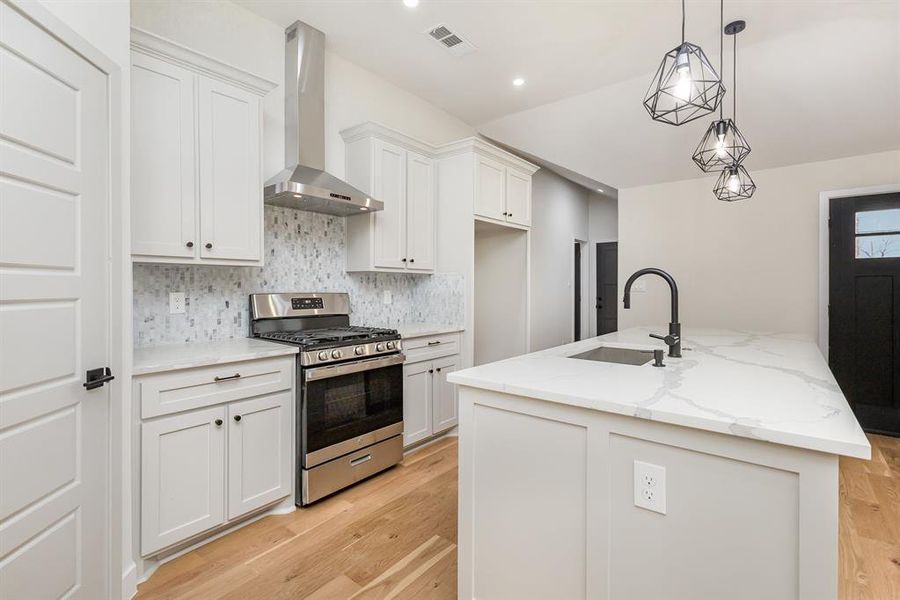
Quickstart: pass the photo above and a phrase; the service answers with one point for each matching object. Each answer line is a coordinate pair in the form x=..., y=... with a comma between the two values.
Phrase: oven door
x=347, y=406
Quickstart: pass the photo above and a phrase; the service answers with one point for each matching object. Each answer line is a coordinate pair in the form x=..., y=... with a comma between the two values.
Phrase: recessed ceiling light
x=411, y=3
x=600, y=190
x=518, y=82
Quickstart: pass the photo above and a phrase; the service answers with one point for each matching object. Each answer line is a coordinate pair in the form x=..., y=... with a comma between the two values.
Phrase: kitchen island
x=715, y=476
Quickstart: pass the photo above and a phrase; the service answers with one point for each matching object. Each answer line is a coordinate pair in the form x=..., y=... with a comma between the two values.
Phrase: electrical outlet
x=650, y=487
x=176, y=303
x=388, y=297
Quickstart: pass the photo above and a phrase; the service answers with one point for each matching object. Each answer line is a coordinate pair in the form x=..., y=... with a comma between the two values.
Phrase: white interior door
x=420, y=212
x=54, y=290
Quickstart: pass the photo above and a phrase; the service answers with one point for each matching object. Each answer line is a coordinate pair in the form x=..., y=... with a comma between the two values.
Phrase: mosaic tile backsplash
x=304, y=253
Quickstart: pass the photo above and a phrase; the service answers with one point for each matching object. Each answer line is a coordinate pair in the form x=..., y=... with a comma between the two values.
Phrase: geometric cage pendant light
x=686, y=86
x=723, y=144
x=734, y=182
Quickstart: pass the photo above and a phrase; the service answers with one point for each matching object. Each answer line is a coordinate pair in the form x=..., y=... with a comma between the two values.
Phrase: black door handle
x=94, y=378
x=237, y=418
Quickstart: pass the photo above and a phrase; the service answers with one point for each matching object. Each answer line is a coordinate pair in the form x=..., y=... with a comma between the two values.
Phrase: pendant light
x=686, y=86
x=723, y=144
x=734, y=182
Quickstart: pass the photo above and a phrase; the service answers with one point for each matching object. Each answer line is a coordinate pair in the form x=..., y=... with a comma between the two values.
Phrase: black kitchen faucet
x=673, y=340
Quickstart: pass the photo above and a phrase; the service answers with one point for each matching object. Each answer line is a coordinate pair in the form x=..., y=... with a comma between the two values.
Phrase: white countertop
x=770, y=387
x=156, y=359
x=412, y=330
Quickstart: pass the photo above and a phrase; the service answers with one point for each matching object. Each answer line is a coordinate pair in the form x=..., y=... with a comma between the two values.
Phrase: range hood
x=304, y=184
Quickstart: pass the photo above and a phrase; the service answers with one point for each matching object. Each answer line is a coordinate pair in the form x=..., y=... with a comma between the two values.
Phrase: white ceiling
x=818, y=79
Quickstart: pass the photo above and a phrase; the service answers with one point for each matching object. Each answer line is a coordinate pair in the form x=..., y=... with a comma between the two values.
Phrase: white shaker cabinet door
x=444, y=405
x=231, y=206
x=420, y=203
x=259, y=452
x=390, y=188
x=490, y=186
x=163, y=184
x=182, y=477
x=416, y=402
x=518, y=197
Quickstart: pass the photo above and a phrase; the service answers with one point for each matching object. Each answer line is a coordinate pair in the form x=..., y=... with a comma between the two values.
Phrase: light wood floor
x=394, y=536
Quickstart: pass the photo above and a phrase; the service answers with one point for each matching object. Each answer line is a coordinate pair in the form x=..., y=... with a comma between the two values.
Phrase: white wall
x=748, y=265
x=559, y=217
x=501, y=292
x=353, y=95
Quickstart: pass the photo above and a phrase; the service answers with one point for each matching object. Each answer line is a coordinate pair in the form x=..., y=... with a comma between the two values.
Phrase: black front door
x=607, y=287
x=864, y=307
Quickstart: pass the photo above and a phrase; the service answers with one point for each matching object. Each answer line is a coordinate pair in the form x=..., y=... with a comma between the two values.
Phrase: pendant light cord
x=682, y=21
x=721, y=45
x=734, y=79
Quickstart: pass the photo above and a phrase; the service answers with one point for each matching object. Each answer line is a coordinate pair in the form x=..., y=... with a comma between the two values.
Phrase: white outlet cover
x=650, y=487
x=176, y=303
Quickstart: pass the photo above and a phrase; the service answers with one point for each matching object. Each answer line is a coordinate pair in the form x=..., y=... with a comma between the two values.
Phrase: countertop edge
x=722, y=427
x=177, y=365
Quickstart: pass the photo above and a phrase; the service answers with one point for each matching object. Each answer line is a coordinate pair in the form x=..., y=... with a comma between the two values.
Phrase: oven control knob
x=358, y=350
x=323, y=355
x=391, y=345
x=336, y=354
x=379, y=347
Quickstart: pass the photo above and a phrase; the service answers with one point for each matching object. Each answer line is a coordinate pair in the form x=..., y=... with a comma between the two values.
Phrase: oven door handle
x=353, y=367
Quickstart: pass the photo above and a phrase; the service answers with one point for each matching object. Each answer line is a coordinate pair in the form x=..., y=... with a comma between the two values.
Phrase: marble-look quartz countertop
x=171, y=357
x=770, y=387
x=411, y=330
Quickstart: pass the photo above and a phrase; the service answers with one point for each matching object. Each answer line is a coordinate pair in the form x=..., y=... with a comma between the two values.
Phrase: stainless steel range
x=349, y=389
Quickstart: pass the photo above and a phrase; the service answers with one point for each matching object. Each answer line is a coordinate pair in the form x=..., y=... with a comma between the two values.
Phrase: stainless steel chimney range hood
x=305, y=185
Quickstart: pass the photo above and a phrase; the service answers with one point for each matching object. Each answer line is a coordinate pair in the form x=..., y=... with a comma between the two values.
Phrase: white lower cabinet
x=259, y=445
x=183, y=477
x=429, y=401
x=218, y=447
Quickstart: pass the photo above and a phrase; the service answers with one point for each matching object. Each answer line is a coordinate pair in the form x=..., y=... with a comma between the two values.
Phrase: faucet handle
x=670, y=339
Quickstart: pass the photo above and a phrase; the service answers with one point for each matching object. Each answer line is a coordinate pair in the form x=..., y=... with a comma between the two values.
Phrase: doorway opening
x=864, y=306
x=607, y=287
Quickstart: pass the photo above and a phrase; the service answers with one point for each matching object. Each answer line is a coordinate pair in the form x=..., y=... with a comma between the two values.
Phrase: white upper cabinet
x=162, y=125
x=398, y=171
x=230, y=172
x=420, y=211
x=518, y=197
x=490, y=188
x=196, y=157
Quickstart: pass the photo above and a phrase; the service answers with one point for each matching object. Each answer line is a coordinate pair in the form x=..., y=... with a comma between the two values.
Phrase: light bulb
x=734, y=182
x=720, y=146
x=683, y=87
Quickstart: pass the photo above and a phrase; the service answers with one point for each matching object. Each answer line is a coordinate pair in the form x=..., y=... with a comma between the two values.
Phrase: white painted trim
x=824, y=203
x=157, y=46
x=478, y=145
x=372, y=129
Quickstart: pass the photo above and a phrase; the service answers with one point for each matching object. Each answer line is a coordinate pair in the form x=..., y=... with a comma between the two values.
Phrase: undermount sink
x=622, y=356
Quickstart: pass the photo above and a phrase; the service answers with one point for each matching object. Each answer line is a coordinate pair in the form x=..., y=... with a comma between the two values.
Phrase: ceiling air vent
x=455, y=44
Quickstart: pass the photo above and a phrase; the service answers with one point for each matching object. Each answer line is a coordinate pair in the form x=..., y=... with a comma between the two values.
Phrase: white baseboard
x=129, y=581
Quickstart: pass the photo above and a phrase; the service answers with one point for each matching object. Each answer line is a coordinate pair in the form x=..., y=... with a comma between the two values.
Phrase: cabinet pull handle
x=412, y=260
x=434, y=343
x=360, y=460
x=438, y=369
x=431, y=370
x=190, y=244
x=402, y=260
x=209, y=245
x=237, y=418
x=508, y=214
x=217, y=379
x=218, y=422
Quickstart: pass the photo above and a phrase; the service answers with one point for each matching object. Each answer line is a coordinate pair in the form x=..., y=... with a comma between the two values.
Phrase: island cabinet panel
x=531, y=522
x=547, y=508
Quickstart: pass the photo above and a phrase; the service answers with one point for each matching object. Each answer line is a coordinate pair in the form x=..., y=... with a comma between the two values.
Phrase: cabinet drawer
x=166, y=393
x=430, y=347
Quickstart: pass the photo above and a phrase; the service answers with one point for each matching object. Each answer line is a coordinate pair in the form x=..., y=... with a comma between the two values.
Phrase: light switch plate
x=650, y=487
x=176, y=303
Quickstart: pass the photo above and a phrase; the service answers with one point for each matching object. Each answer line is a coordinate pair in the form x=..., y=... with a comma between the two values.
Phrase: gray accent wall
x=304, y=252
